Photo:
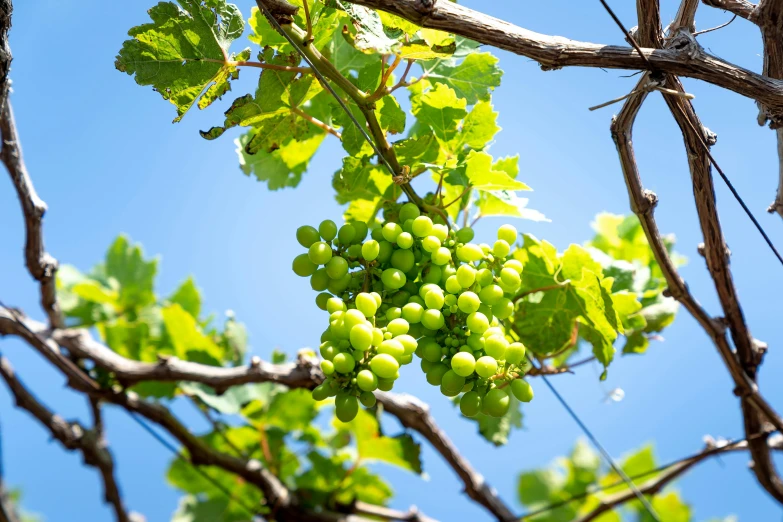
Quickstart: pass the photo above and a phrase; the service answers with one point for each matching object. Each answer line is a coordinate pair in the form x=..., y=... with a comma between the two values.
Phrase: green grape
x=346, y=407
x=468, y=386
x=320, y=393
x=465, y=235
x=320, y=253
x=338, y=286
x=429, y=287
x=436, y=373
x=422, y=226
x=398, y=326
x=335, y=304
x=441, y=256
x=344, y=362
x=484, y=277
x=452, y=285
x=409, y=211
x=510, y=277
x=392, y=347
x=495, y=346
x=366, y=304
x=354, y=251
x=346, y=234
x=522, y=390
x=403, y=260
x=328, y=351
x=378, y=298
x=385, y=250
x=430, y=243
x=377, y=234
x=477, y=322
x=432, y=319
x=393, y=278
x=470, y=253
x=494, y=330
x=470, y=403
x=412, y=312
x=434, y=299
x=302, y=266
x=515, y=353
x=384, y=365
x=426, y=365
x=441, y=232
x=366, y=381
x=370, y=250
x=385, y=384
x=322, y=299
x=486, y=367
x=431, y=351
x=367, y=399
x=390, y=231
x=408, y=343
x=405, y=240
x=319, y=281
x=452, y=382
x=466, y=276
x=307, y=235
x=501, y=249
x=361, y=337
x=491, y=294
x=432, y=275
x=352, y=318
x=448, y=392
x=360, y=227
x=463, y=364
x=468, y=302
x=508, y=234
x=487, y=311
x=393, y=313
x=503, y=309
x=337, y=267
x=377, y=336
x=327, y=367
x=327, y=229
x=496, y=402
x=514, y=264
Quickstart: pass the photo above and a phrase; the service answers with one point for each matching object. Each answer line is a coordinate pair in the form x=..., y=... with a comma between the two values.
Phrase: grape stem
x=318, y=123
x=309, y=35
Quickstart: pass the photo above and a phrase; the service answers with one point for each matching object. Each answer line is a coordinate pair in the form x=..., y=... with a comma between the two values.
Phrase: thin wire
x=639, y=495
x=168, y=445
x=627, y=34
x=328, y=87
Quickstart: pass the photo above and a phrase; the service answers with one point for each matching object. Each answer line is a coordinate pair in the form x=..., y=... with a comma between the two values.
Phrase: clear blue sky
x=106, y=158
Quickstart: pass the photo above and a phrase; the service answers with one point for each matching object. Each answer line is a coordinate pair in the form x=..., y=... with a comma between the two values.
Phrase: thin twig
x=721, y=26
x=318, y=123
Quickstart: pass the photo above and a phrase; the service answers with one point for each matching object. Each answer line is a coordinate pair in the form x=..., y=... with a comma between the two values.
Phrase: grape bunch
x=415, y=287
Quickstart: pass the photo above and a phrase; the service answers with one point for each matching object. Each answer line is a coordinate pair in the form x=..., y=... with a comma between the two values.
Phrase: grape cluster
x=415, y=287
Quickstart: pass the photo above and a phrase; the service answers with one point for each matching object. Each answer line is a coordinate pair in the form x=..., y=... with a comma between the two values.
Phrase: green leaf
x=422, y=50
x=125, y=264
x=235, y=339
x=94, y=292
x=289, y=411
x=669, y=508
x=232, y=400
x=191, y=509
x=473, y=79
x=280, y=168
x=401, y=451
x=183, y=53
x=483, y=177
x=539, y=487
x=506, y=203
x=480, y=126
x=186, y=337
x=188, y=297
x=391, y=115
x=370, y=36
x=417, y=150
x=360, y=180
x=441, y=110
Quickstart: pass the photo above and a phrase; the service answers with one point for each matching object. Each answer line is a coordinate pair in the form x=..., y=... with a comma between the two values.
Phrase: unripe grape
x=320, y=393
x=436, y=373
x=452, y=285
x=477, y=322
x=448, y=392
x=515, y=353
x=405, y=359
x=470, y=253
x=337, y=267
x=400, y=299
x=470, y=403
x=385, y=250
x=367, y=399
x=501, y=249
x=398, y=326
x=508, y=234
x=422, y=226
x=466, y=276
x=352, y=318
x=307, y=235
x=510, y=277
x=522, y=390
x=319, y=253
x=322, y=299
x=361, y=337
x=491, y=294
x=377, y=336
x=426, y=365
x=346, y=234
x=403, y=260
x=327, y=229
x=360, y=227
x=302, y=266
x=434, y=299
x=427, y=288
x=432, y=274
x=452, y=382
x=346, y=407
x=431, y=351
x=468, y=386
x=465, y=235
x=377, y=234
x=441, y=256
x=430, y=243
x=392, y=347
x=385, y=384
x=412, y=312
x=366, y=304
x=484, y=277
x=393, y=313
x=486, y=367
x=503, y=309
x=475, y=342
x=514, y=264
x=408, y=343
x=405, y=240
x=319, y=281
x=409, y=211
x=343, y=362
x=495, y=346
x=384, y=365
x=335, y=304
x=468, y=302
x=463, y=364
x=496, y=402
x=338, y=286
x=366, y=381
x=393, y=278
x=327, y=367
x=487, y=311
x=441, y=232
x=494, y=330
x=328, y=350
x=370, y=250
x=390, y=231
x=432, y=319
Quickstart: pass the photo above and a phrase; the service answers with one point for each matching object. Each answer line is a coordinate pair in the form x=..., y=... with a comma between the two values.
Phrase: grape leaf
x=280, y=168
x=125, y=264
x=370, y=35
x=232, y=400
x=480, y=126
x=441, y=110
x=482, y=176
x=506, y=203
x=401, y=451
x=188, y=297
x=188, y=340
x=183, y=53
x=473, y=79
